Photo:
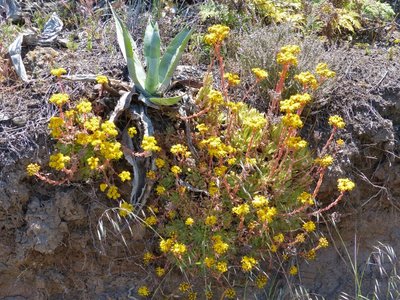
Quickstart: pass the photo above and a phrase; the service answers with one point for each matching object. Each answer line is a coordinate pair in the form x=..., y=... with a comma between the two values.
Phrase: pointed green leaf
x=171, y=57
x=152, y=44
x=165, y=101
x=128, y=49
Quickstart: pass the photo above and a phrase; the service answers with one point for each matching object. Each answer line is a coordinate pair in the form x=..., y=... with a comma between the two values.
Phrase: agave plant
x=153, y=83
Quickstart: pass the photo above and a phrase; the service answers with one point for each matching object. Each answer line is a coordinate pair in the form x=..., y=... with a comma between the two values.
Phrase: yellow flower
x=266, y=214
x=279, y=238
x=231, y=161
x=178, y=249
x=209, y=262
x=287, y=55
x=184, y=287
x=202, y=128
x=248, y=263
x=160, y=190
x=307, y=79
x=210, y=220
x=337, y=122
x=58, y=72
x=340, y=142
x=111, y=150
x=160, y=163
x=125, y=209
x=216, y=34
x=165, y=245
x=221, y=266
x=296, y=143
x=143, y=291
x=233, y=79
x=59, y=99
x=151, y=175
x=148, y=257
x=113, y=192
x=101, y=79
x=323, y=71
x=261, y=281
x=150, y=221
x=259, y=201
x=260, y=73
x=124, y=175
x=58, y=161
x=310, y=255
x=325, y=161
x=219, y=246
x=215, y=98
x=189, y=222
x=32, y=169
x=323, y=243
x=305, y=198
x=309, y=226
x=180, y=149
x=149, y=143
x=176, y=170
x=241, y=210
x=93, y=162
x=55, y=123
x=132, y=131
x=273, y=248
x=300, y=238
x=192, y=296
x=109, y=128
x=230, y=293
x=345, y=184
x=293, y=270
x=216, y=148
x=213, y=189
x=84, y=106
x=92, y=124
x=292, y=120
x=103, y=186
x=160, y=271
x=220, y=171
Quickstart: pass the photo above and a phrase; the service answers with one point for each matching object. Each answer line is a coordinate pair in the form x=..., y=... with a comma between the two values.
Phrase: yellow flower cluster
x=151, y=221
x=305, y=198
x=58, y=72
x=248, y=263
x=176, y=170
x=92, y=123
x=259, y=201
x=345, y=184
x=292, y=120
x=113, y=192
x=323, y=71
x=337, y=122
x=160, y=271
x=241, y=210
x=165, y=245
x=222, y=266
x=202, y=128
x=109, y=128
x=132, y=131
x=149, y=143
x=209, y=262
x=124, y=175
x=220, y=171
x=180, y=149
x=230, y=293
x=340, y=142
x=32, y=169
x=160, y=163
x=307, y=79
x=219, y=246
x=254, y=120
x=101, y=79
x=261, y=281
x=93, y=162
x=184, y=287
x=178, y=249
x=189, y=222
x=160, y=190
x=58, y=161
x=309, y=226
x=293, y=270
x=55, y=126
x=143, y=291
x=287, y=55
x=210, y=220
x=266, y=214
x=59, y=99
x=216, y=34
x=148, y=257
x=216, y=148
x=300, y=238
x=279, y=238
x=84, y=107
x=215, y=98
x=294, y=103
x=125, y=209
x=323, y=243
x=296, y=143
x=111, y=150
x=260, y=73
x=325, y=161
x=233, y=79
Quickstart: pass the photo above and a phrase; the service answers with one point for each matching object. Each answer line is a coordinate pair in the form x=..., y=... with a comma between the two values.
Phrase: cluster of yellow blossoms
x=233, y=79
x=216, y=34
x=59, y=99
x=288, y=55
x=260, y=73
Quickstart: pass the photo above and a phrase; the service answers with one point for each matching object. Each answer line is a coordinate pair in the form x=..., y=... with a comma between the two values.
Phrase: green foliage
x=159, y=68
x=377, y=11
